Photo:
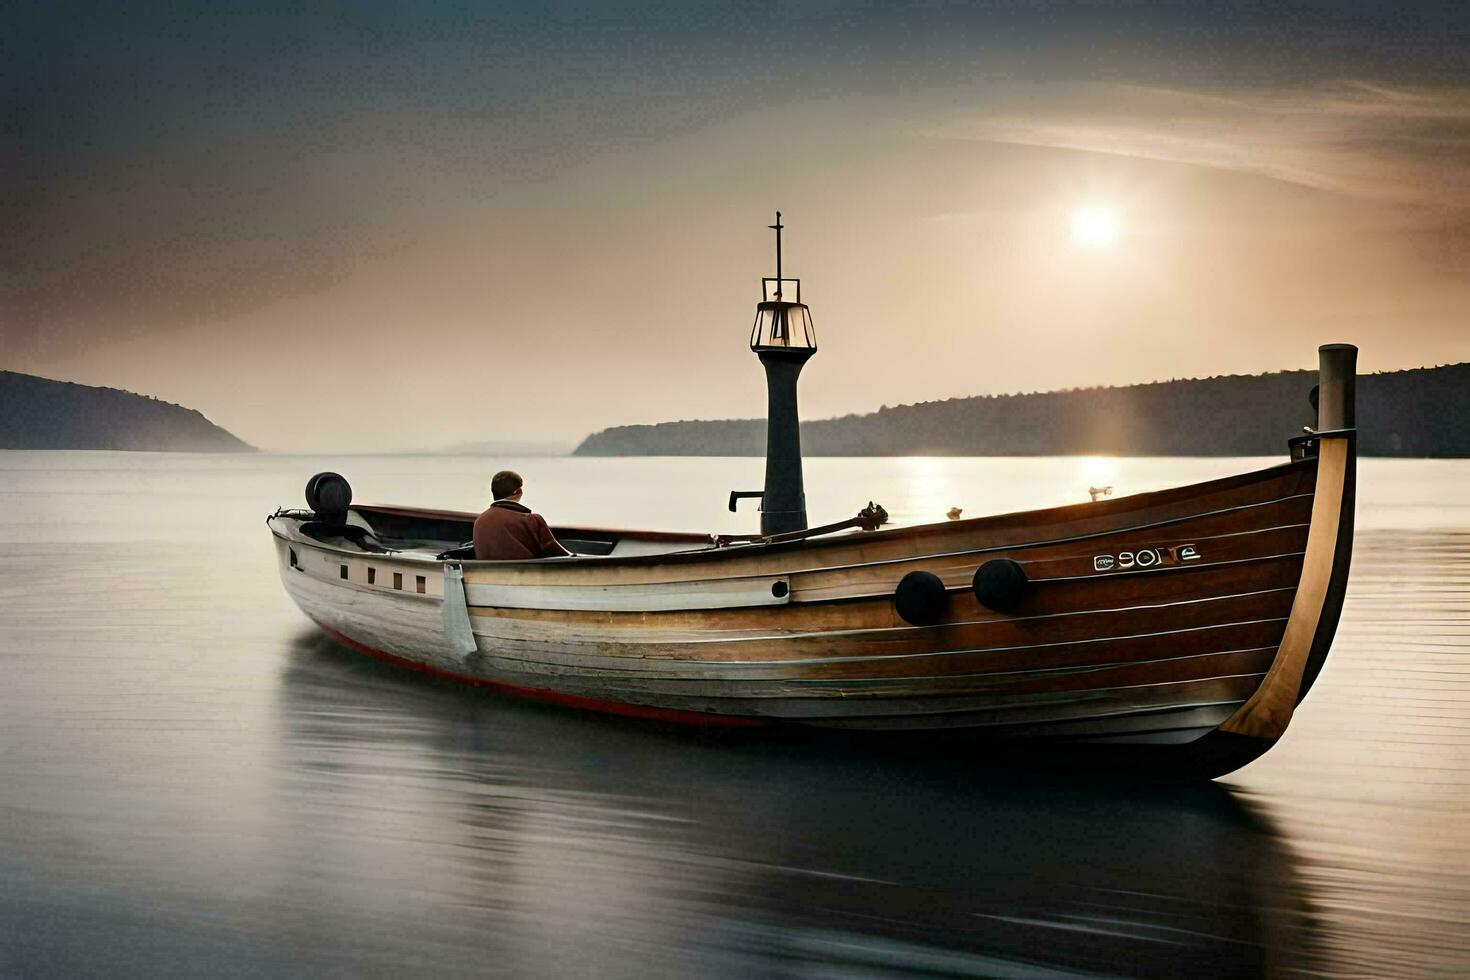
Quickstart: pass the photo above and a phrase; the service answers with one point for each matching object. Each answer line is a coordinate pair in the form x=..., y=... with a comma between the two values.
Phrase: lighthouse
x=784, y=339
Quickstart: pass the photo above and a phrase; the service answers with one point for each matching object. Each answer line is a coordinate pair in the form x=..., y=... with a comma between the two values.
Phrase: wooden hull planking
x=1165, y=619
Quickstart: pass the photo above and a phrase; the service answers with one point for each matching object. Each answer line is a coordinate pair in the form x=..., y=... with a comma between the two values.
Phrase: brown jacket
x=508, y=531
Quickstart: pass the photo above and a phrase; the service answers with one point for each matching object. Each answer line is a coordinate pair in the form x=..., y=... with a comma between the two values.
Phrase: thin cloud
x=1402, y=145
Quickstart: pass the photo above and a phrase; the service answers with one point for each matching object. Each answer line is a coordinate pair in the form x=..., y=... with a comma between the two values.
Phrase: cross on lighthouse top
x=777, y=228
x=781, y=325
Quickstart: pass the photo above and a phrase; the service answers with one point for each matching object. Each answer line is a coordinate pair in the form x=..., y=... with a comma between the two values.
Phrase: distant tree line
x=1421, y=412
x=38, y=413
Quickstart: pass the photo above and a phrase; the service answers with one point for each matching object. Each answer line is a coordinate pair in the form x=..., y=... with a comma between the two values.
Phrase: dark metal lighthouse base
x=783, y=506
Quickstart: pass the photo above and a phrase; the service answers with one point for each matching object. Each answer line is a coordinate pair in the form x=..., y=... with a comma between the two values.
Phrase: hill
x=1421, y=412
x=38, y=413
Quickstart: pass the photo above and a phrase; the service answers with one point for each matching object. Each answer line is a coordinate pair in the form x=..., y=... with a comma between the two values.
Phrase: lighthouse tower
x=784, y=339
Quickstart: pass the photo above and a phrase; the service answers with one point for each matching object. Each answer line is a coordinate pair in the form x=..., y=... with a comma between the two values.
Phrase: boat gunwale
x=747, y=549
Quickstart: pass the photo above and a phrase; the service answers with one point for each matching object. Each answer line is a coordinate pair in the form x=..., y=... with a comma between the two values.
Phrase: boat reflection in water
x=441, y=829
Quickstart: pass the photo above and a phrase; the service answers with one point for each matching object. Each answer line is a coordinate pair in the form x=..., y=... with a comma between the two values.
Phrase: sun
x=1096, y=226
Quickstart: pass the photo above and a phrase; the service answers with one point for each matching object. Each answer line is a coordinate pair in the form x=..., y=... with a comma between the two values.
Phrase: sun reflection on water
x=1097, y=471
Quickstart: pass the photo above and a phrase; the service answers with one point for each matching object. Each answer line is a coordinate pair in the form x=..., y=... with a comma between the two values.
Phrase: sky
x=381, y=226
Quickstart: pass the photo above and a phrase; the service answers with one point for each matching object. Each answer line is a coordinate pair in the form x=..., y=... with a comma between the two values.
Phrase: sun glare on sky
x=1095, y=226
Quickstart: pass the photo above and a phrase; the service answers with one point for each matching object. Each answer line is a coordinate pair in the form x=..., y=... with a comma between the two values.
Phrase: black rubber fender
x=921, y=599
x=311, y=491
x=329, y=495
x=1000, y=584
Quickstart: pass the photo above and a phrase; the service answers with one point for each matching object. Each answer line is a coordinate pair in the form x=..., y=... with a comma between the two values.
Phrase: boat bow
x=1319, y=595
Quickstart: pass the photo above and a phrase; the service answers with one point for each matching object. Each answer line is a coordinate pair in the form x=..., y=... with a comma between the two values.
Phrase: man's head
x=506, y=485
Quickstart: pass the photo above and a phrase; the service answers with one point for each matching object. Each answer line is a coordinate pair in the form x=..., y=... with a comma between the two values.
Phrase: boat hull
x=1156, y=620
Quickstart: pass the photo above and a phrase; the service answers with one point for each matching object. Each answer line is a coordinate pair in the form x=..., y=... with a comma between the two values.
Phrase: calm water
x=192, y=780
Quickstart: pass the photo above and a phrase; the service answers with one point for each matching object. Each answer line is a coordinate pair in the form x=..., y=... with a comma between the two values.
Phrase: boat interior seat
x=577, y=546
x=586, y=546
x=330, y=532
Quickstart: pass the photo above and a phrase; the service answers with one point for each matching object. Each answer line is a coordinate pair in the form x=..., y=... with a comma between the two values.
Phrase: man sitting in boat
x=508, y=530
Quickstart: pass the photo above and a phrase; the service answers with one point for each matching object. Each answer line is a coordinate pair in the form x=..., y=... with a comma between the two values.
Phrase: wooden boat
x=1179, y=629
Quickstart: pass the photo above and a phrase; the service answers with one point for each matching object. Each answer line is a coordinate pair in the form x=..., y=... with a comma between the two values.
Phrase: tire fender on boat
x=329, y=495
x=1000, y=584
x=311, y=491
x=921, y=599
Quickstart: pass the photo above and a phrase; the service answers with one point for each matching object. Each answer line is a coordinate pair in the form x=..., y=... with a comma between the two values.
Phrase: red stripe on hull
x=552, y=697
